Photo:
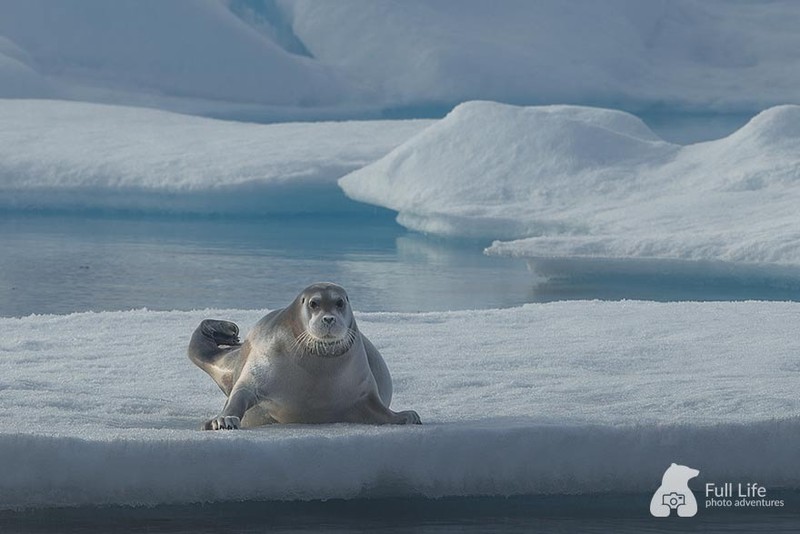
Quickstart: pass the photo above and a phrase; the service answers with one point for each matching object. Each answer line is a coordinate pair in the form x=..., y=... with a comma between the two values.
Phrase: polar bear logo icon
x=674, y=493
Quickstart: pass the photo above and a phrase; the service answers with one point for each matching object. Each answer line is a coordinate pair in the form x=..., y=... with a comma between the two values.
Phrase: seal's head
x=329, y=326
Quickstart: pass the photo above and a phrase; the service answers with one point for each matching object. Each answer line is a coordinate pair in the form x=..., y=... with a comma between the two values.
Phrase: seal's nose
x=328, y=319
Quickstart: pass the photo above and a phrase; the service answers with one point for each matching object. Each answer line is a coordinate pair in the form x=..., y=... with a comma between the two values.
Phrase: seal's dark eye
x=340, y=303
x=313, y=304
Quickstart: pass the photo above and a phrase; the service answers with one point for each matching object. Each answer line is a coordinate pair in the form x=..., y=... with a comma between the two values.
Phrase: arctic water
x=622, y=513
x=69, y=263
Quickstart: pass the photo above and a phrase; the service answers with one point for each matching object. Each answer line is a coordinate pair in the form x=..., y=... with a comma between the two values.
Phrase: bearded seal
x=306, y=363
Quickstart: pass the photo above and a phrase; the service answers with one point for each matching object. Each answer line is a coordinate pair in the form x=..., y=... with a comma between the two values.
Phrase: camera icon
x=673, y=500
x=674, y=493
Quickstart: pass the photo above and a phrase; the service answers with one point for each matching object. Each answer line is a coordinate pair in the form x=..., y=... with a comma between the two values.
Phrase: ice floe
x=569, y=397
x=67, y=156
x=566, y=181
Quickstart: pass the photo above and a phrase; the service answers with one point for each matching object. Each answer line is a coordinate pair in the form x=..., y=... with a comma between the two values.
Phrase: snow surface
x=66, y=155
x=91, y=47
x=568, y=397
x=565, y=181
x=353, y=56
x=714, y=54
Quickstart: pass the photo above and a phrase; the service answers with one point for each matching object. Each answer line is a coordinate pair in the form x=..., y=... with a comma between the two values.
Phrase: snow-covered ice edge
x=564, y=398
x=480, y=458
x=69, y=156
x=571, y=181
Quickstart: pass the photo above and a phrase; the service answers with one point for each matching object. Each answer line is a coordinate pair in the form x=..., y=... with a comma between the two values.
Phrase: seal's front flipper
x=241, y=399
x=222, y=423
x=211, y=341
x=221, y=332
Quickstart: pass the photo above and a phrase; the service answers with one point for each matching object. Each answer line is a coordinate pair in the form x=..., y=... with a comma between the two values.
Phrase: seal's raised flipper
x=212, y=340
x=221, y=332
x=215, y=348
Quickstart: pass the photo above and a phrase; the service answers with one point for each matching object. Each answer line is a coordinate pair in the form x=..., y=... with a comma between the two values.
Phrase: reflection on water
x=663, y=280
x=588, y=513
x=63, y=264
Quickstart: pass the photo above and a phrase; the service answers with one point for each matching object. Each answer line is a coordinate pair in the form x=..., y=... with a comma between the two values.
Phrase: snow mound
x=354, y=57
x=92, y=49
x=64, y=155
x=715, y=54
x=579, y=182
x=569, y=397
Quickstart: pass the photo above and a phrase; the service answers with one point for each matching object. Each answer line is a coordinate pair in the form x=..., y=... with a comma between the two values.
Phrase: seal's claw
x=221, y=332
x=223, y=422
x=410, y=417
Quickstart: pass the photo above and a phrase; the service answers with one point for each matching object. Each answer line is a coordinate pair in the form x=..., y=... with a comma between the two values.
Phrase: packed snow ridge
x=314, y=59
x=74, y=156
x=568, y=397
x=566, y=181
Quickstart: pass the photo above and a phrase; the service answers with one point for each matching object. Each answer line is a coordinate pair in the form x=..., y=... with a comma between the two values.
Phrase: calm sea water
x=69, y=263
x=61, y=264
x=546, y=514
